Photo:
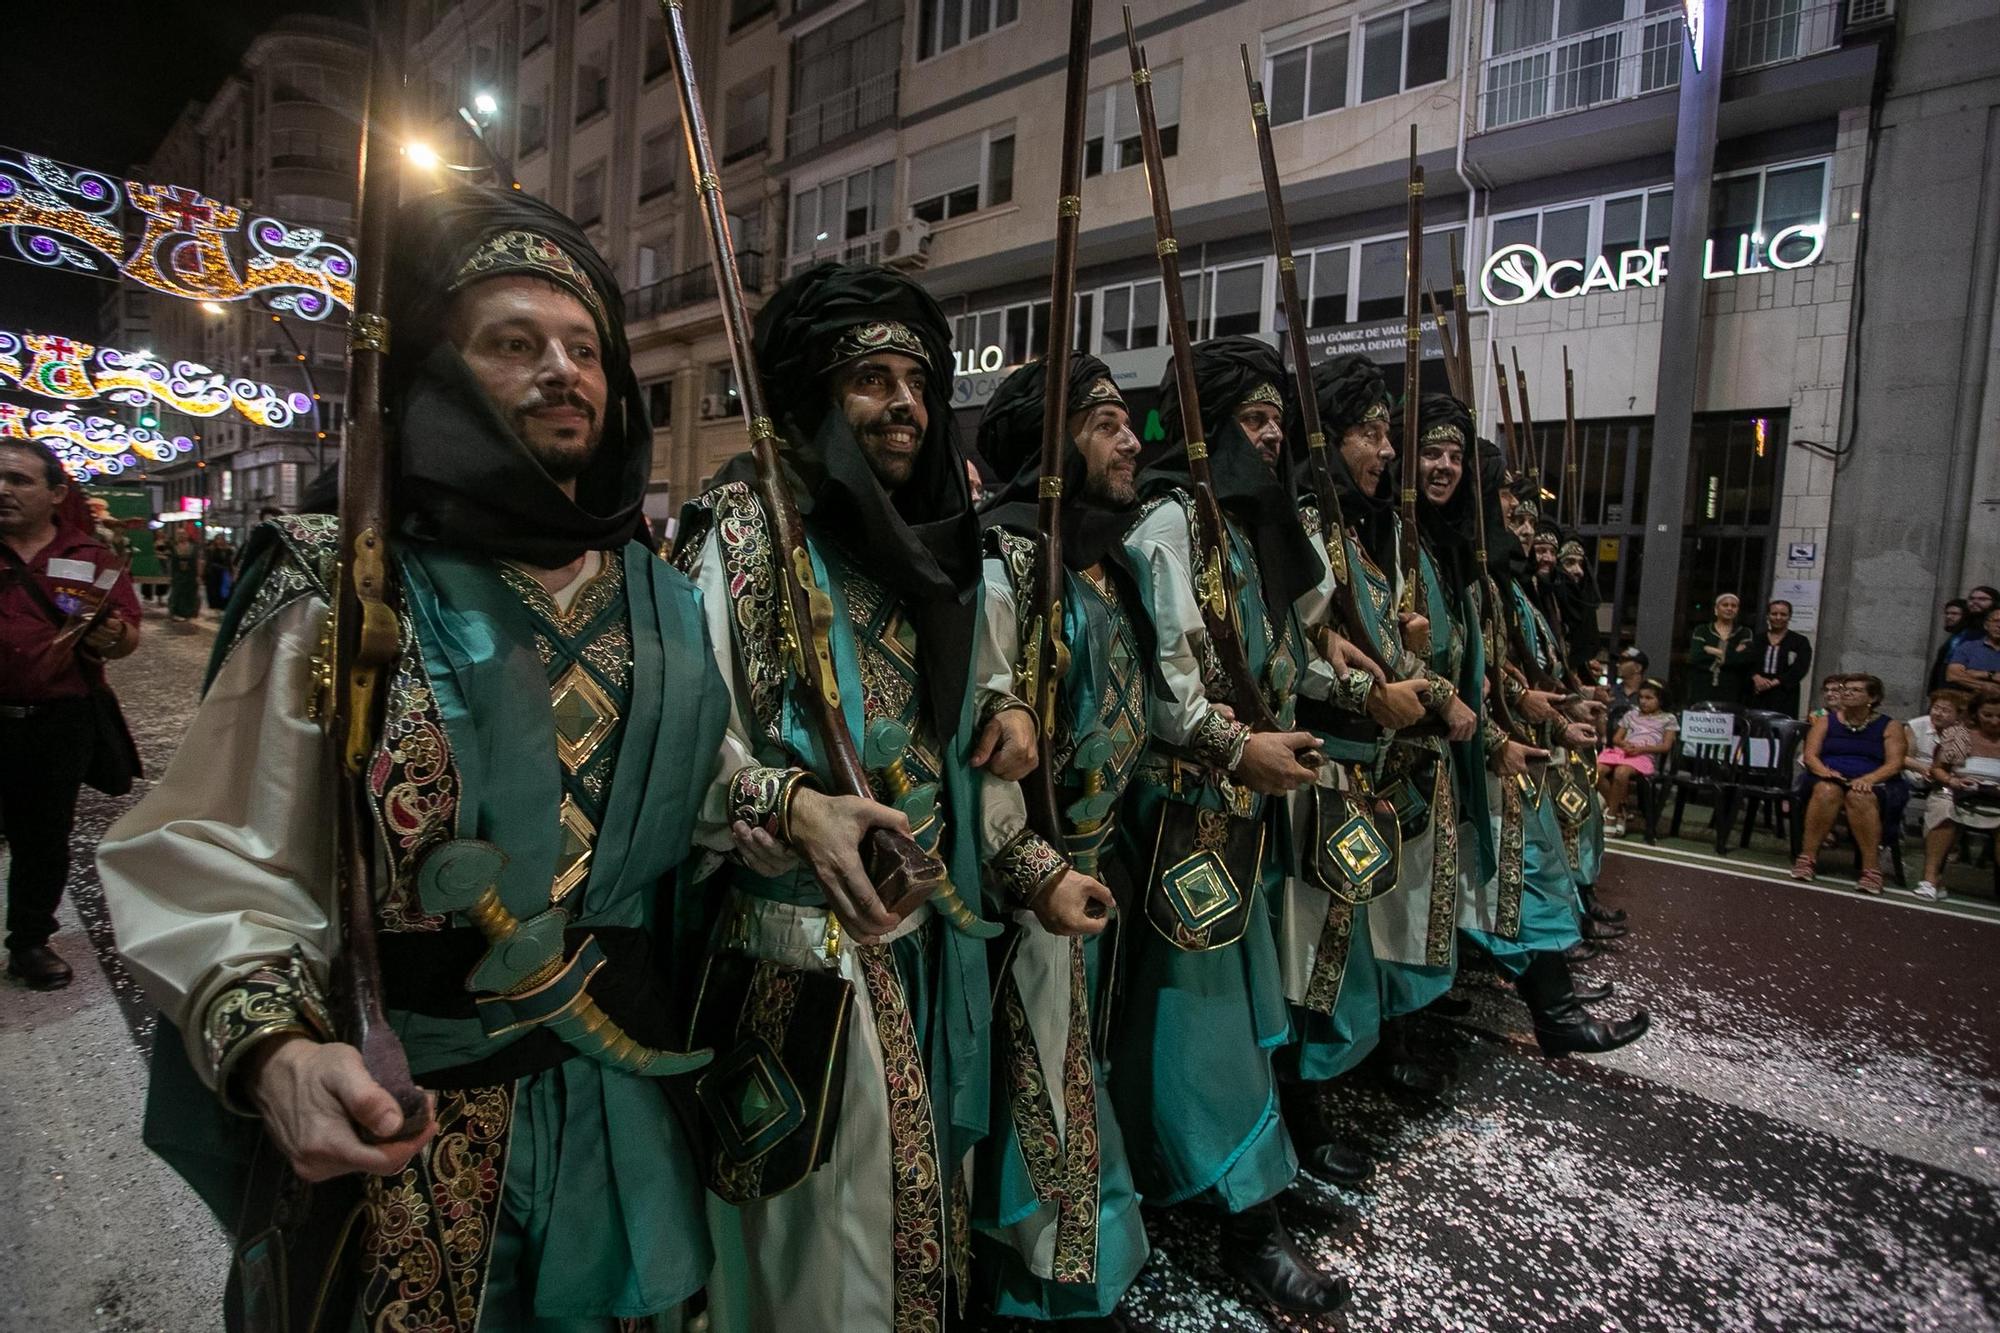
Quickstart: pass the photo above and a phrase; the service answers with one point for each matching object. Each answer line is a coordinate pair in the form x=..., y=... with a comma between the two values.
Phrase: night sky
x=99, y=85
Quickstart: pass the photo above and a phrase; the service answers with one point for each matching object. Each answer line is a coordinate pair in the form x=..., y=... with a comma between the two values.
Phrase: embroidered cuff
x=997, y=702
x=1515, y=686
x=1495, y=736
x=1026, y=865
x=274, y=1000
x=1218, y=742
x=1438, y=691
x=762, y=797
x=1351, y=689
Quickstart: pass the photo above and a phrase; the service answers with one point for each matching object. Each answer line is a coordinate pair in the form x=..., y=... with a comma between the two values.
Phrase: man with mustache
x=551, y=726
x=1526, y=917
x=855, y=1217
x=1204, y=1005
x=1058, y=1232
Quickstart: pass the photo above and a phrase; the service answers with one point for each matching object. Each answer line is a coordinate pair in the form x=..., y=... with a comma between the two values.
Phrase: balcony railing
x=690, y=288
x=848, y=110
x=1638, y=56
x=864, y=249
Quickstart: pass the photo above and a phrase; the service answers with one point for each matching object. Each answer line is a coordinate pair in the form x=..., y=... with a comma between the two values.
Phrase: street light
x=422, y=156
x=486, y=104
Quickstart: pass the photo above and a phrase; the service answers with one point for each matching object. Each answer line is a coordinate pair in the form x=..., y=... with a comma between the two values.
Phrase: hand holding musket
x=1214, y=584
x=903, y=874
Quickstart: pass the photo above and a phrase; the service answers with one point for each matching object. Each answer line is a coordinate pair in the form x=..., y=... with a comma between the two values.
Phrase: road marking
x=1717, y=865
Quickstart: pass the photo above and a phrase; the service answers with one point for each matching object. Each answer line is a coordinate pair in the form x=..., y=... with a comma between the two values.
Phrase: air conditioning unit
x=907, y=245
x=711, y=406
x=1870, y=14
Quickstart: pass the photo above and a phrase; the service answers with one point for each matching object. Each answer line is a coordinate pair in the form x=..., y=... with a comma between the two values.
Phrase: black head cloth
x=1448, y=529
x=1010, y=440
x=1506, y=560
x=922, y=543
x=463, y=477
x=1352, y=392
x=1229, y=373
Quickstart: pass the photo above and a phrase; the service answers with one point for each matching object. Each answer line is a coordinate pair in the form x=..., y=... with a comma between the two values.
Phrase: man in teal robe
x=1058, y=1233
x=870, y=1234
x=550, y=727
x=1201, y=1009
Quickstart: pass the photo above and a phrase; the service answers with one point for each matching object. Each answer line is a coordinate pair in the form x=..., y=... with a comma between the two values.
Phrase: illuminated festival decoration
x=75, y=219
x=90, y=445
x=73, y=371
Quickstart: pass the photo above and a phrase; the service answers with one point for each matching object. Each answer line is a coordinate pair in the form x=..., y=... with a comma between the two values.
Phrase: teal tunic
x=1549, y=903
x=1191, y=1069
x=1105, y=691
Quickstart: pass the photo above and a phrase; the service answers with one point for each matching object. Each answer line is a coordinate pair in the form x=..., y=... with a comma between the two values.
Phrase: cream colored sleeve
x=1181, y=714
x=227, y=864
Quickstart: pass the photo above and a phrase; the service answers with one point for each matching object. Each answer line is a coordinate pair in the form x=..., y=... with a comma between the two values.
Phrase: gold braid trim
x=918, y=1193
x=1330, y=958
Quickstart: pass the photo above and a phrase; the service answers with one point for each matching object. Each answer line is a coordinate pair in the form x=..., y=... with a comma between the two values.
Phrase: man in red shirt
x=53, y=575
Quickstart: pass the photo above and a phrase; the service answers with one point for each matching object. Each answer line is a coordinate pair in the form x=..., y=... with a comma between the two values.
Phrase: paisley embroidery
x=1513, y=849
x=414, y=783
x=428, y=1231
x=1330, y=958
x=1443, y=918
x=918, y=1193
x=744, y=540
x=1062, y=1166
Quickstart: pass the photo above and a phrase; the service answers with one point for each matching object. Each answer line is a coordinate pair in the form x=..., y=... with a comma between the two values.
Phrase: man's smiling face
x=882, y=397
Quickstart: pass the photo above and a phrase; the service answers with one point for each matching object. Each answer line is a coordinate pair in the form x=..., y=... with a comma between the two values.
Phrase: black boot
x=1596, y=910
x=1582, y=951
x=1402, y=1070
x=1562, y=1024
x=1597, y=932
x=41, y=967
x=1590, y=992
x=1259, y=1252
x=1319, y=1153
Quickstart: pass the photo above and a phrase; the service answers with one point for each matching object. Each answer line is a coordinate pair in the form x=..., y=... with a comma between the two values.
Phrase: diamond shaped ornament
x=584, y=716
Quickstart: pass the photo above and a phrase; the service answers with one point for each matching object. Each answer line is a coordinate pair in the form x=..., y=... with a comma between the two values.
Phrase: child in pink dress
x=1647, y=731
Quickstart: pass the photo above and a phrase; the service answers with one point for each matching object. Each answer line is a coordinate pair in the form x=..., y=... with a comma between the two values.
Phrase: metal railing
x=690, y=288
x=850, y=109
x=1643, y=55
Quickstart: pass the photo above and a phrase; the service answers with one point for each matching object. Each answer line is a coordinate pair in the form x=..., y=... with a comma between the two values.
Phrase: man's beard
x=1118, y=490
x=890, y=469
x=562, y=460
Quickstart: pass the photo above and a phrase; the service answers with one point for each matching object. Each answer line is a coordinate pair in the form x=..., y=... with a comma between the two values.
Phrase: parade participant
x=856, y=363
x=55, y=576
x=1203, y=1004
x=1331, y=943
x=553, y=721
x=1059, y=1235
x=1527, y=916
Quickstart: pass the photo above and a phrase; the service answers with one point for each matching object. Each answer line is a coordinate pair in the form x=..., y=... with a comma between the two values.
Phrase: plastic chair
x=1708, y=768
x=1769, y=766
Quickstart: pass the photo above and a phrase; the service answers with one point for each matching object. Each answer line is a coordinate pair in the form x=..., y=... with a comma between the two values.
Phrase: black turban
x=922, y=543
x=463, y=477
x=1227, y=372
x=1350, y=388
x=1010, y=439
x=1448, y=529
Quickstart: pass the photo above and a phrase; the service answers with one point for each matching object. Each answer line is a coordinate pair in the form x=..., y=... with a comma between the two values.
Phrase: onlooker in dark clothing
x=1722, y=655
x=1954, y=621
x=1628, y=676
x=218, y=568
x=53, y=575
x=1975, y=663
x=1853, y=761
x=1784, y=659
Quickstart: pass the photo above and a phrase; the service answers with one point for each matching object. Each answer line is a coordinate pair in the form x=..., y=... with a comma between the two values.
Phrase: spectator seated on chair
x=1853, y=764
x=1641, y=735
x=1967, y=795
x=1950, y=706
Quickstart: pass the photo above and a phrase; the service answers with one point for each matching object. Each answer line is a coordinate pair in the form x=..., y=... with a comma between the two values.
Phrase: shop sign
x=1382, y=341
x=977, y=360
x=1515, y=274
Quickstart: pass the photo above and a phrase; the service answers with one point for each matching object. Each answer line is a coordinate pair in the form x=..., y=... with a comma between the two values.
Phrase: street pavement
x=1808, y=1140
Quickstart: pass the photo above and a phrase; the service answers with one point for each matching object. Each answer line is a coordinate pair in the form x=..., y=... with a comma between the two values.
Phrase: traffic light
x=149, y=418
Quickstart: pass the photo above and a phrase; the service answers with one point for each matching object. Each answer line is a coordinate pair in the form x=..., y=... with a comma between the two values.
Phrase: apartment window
x=1326, y=285
x=746, y=119
x=593, y=84
x=944, y=24
x=658, y=163
x=1405, y=50
x=743, y=11
x=1379, y=276
x=1559, y=233
x=585, y=6
x=1749, y=209
x=719, y=397
x=1307, y=80
x=1130, y=316
x=1232, y=300
x=844, y=74
x=1020, y=331
x=532, y=134
x=660, y=403
x=831, y=218
x=587, y=199
x=1638, y=221
x=653, y=43
x=534, y=26
x=1111, y=123
x=963, y=176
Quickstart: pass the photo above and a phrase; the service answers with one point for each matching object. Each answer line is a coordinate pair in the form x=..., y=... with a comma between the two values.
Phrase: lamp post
x=304, y=363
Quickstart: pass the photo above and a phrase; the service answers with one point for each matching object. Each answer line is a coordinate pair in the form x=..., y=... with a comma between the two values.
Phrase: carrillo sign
x=1520, y=273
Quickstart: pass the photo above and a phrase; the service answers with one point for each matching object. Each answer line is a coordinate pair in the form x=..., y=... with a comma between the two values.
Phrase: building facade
x=279, y=138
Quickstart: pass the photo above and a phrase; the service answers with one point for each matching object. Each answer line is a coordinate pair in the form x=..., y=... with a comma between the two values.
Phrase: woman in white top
x=1967, y=774
x=1948, y=708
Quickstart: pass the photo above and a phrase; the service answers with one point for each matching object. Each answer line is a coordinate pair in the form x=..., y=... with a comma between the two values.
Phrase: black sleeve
x=1801, y=666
